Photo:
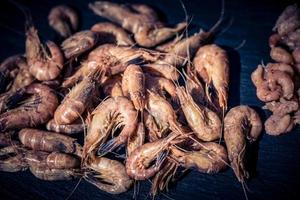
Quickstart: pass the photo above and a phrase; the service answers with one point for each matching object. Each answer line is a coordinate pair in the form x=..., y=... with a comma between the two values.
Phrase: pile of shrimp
x=277, y=83
x=117, y=86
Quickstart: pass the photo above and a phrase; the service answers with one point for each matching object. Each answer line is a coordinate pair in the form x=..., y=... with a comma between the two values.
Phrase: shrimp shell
x=69, y=129
x=48, y=174
x=279, y=124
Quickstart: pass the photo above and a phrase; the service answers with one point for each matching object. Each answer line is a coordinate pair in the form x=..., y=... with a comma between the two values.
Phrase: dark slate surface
x=274, y=161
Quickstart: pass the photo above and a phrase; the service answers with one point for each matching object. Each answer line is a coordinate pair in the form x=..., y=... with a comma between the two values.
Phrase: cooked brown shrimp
x=49, y=141
x=211, y=158
x=109, y=32
x=79, y=43
x=138, y=163
x=42, y=65
x=111, y=114
x=292, y=39
x=54, y=160
x=161, y=86
x=133, y=86
x=108, y=175
x=204, y=122
x=153, y=132
x=8, y=68
x=137, y=139
x=76, y=127
x=163, y=113
x=49, y=174
x=36, y=110
x=283, y=106
x=111, y=59
x=77, y=100
x=113, y=86
x=195, y=88
x=263, y=91
x=167, y=71
x=241, y=123
x=271, y=67
x=23, y=79
x=281, y=55
x=139, y=19
x=6, y=140
x=212, y=65
x=64, y=20
x=279, y=124
x=12, y=158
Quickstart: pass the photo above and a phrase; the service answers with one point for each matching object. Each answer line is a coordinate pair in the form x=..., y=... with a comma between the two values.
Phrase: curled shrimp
x=64, y=20
x=113, y=86
x=211, y=158
x=279, y=124
x=12, y=159
x=133, y=86
x=108, y=175
x=109, y=32
x=139, y=19
x=79, y=43
x=36, y=110
x=279, y=84
x=137, y=139
x=42, y=65
x=54, y=160
x=111, y=114
x=69, y=129
x=281, y=55
x=77, y=100
x=138, y=164
x=167, y=71
x=241, y=123
x=111, y=59
x=50, y=174
x=49, y=141
x=212, y=65
x=8, y=68
x=205, y=123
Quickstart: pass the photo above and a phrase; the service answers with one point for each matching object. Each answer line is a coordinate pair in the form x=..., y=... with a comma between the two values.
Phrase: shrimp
x=64, y=20
x=205, y=123
x=279, y=124
x=79, y=43
x=281, y=55
x=292, y=39
x=266, y=91
x=210, y=159
x=69, y=129
x=139, y=19
x=111, y=114
x=6, y=140
x=54, y=160
x=138, y=163
x=241, y=123
x=113, y=86
x=111, y=59
x=137, y=139
x=153, y=132
x=23, y=79
x=212, y=65
x=282, y=67
x=77, y=100
x=8, y=68
x=38, y=109
x=49, y=174
x=49, y=141
x=163, y=114
x=161, y=86
x=283, y=106
x=12, y=159
x=195, y=89
x=133, y=86
x=42, y=65
x=107, y=175
x=109, y=32
x=274, y=40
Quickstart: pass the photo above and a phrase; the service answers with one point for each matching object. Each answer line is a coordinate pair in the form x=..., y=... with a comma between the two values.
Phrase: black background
x=274, y=162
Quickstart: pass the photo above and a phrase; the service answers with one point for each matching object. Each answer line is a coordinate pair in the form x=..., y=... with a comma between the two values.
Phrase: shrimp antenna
x=25, y=11
x=76, y=186
x=214, y=28
x=240, y=45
